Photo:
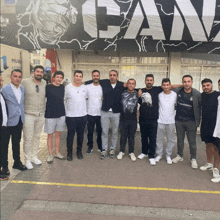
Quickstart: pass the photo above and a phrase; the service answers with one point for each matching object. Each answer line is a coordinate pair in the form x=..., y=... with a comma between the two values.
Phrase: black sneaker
x=112, y=154
x=79, y=155
x=89, y=151
x=3, y=177
x=69, y=157
x=103, y=154
x=5, y=171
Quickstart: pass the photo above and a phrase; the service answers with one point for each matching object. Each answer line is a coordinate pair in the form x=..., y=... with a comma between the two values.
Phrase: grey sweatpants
x=106, y=118
x=169, y=131
x=190, y=129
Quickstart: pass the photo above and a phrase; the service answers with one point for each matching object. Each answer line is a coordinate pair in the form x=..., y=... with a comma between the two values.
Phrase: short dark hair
x=165, y=80
x=131, y=79
x=16, y=70
x=94, y=71
x=206, y=80
x=219, y=81
x=78, y=71
x=187, y=76
x=149, y=75
x=114, y=71
x=58, y=73
x=38, y=67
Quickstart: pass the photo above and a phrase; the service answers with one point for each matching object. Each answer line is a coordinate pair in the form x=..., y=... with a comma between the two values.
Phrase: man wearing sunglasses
x=34, y=105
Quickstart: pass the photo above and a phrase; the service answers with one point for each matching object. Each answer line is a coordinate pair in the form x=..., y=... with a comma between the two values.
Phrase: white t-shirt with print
x=75, y=100
x=94, y=102
x=167, y=108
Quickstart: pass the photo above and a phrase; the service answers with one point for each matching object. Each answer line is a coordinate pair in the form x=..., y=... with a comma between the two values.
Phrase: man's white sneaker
x=152, y=161
x=142, y=156
x=36, y=161
x=132, y=156
x=28, y=164
x=50, y=159
x=59, y=156
x=169, y=161
x=194, y=164
x=215, y=173
x=216, y=180
x=208, y=166
x=177, y=159
x=120, y=155
x=157, y=158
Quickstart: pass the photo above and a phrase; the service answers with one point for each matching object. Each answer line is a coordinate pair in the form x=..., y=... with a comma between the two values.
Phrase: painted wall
x=14, y=58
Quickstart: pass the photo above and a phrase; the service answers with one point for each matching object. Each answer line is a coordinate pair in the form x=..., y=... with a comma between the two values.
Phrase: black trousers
x=91, y=122
x=218, y=145
x=75, y=124
x=128, y=129
x=148, y=137
x=15, y=133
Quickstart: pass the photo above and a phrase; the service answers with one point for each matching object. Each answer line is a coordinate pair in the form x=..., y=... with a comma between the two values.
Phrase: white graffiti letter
x=208, y=14
x=135, y=23
x=191, y=19
x=89, y=18
x=155, y=27
x=112, y=9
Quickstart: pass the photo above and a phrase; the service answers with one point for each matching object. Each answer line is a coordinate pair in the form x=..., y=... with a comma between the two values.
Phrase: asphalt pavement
x=110, y=189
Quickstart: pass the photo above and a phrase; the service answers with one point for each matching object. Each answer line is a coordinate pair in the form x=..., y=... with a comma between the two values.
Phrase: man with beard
x=209, y=116
x=188, y=111
x=34, y=105
x=149, y=113
x=94, y=105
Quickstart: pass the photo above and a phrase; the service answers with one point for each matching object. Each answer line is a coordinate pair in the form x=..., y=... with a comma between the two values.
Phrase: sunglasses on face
x=37, y=88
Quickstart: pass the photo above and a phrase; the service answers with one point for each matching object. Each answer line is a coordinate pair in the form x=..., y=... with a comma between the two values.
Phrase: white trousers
x=32, y=129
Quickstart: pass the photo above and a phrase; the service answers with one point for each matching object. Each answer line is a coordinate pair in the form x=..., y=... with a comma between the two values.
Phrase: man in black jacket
x=110, y=111
x=3, y=122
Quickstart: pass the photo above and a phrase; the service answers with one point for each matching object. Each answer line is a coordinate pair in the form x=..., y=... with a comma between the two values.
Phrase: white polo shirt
x=75, y=100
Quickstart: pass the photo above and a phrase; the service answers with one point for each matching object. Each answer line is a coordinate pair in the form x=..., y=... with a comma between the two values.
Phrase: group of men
x=29, y=103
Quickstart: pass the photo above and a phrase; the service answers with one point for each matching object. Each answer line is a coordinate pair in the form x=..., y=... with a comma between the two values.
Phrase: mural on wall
x=115, y=25
x=3, y=60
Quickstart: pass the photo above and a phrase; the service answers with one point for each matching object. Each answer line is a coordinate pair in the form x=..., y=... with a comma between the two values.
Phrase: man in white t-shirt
x=94, y=105
x=76, y=112
x=166, y=121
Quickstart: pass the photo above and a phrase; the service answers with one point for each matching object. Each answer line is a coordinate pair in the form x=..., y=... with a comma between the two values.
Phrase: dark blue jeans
x=75, y=124
x=91, y=122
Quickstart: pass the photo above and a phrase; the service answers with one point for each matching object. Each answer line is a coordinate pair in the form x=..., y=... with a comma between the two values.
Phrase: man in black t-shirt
x=149, y=113
x=148, y=118
x=55, y=114
x=188, y=111
x=128, y=119
x=209, y=117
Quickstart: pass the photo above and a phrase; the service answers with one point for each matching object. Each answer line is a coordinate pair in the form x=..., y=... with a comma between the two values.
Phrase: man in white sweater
x=166, y=121
x=75, y=98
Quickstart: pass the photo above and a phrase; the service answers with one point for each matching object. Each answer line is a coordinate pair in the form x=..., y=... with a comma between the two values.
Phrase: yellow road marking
x=115, y=187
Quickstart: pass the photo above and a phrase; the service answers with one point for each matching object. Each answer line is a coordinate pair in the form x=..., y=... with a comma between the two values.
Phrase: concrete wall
x=15, y=58
x=64, y=63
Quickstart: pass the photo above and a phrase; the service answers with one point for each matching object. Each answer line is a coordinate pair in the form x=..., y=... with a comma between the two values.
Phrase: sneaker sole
x=63, y=158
